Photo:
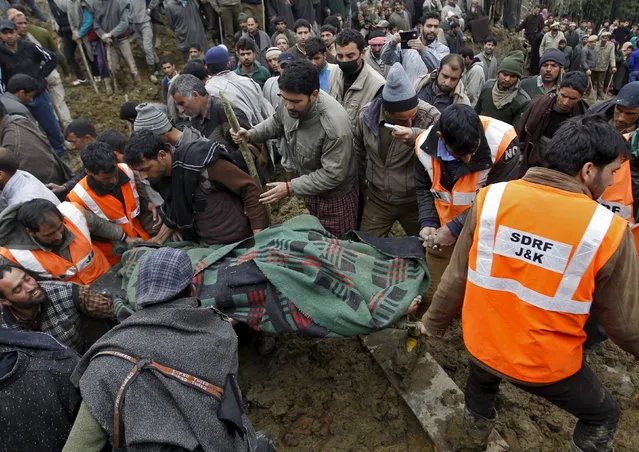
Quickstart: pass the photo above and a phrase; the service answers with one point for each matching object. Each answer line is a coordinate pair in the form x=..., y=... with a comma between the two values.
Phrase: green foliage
x=595, y=10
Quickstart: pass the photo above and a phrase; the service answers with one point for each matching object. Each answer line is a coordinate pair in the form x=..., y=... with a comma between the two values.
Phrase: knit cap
x=553, y=55
x=398, y=93
x=513, y=63
x=216, y=55
x=242, y=17
x=162, y=275
x=150, y=118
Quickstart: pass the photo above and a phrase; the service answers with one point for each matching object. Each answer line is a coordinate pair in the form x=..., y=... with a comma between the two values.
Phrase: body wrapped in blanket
x=298, y=278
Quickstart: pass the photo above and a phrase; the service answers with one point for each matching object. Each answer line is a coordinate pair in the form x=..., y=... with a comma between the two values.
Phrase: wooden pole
x=86, y=65
x=235, y=126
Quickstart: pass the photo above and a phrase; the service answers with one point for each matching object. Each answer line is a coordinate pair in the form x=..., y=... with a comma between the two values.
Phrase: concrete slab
x=425, y=387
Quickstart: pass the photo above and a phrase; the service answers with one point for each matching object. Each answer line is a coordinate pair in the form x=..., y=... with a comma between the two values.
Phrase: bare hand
x=588, y=72
x=427, y=331
x=56, y=188
x=277, y=191
x=241, y=136
x=614, y=69
x=157, y=220
x=75, y=35
x=133, y=240
x=416, y=44
x=396, y=39
x=404, y=134
x=428, y=234
x=444, y=237
x=163, y=234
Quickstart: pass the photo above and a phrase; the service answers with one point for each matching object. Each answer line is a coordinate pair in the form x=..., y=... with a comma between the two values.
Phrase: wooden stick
x=235, y=126
x=86, y=65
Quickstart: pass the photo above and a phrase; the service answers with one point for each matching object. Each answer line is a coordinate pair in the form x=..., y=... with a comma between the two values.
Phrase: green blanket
x=296, y=277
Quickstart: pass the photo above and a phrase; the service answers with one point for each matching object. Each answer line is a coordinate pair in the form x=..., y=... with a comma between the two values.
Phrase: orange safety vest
x=86, y=265
x=618, y=197
x=530, y=282
x=110, y=208
x=449, y=204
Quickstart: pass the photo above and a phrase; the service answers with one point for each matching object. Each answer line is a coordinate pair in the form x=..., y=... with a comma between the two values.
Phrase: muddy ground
x=316, y=395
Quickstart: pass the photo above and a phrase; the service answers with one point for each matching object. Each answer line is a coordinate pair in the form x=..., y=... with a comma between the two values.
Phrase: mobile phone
x=390, y=126
x=406, y=36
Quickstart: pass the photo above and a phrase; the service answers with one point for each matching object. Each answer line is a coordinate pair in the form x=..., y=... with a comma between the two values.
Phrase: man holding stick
x=318, y=129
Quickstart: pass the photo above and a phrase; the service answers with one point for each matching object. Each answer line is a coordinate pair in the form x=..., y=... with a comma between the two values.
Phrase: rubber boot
x=477, y=429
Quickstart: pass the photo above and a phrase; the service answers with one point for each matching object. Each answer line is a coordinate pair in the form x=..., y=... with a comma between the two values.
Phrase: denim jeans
x=42, y=110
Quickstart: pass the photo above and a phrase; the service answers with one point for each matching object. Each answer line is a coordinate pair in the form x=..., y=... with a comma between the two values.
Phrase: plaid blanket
x=296, y=277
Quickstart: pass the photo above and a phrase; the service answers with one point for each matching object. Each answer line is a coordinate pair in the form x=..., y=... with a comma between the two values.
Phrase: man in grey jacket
x=111, y=24
x=318, y=129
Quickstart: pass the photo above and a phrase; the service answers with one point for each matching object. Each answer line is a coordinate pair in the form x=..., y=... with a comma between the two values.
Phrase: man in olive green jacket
x=317, y=130
x=385, y=156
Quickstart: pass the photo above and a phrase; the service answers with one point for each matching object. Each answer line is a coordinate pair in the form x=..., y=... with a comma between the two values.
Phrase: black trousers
x=69, y=46
x=582, y=395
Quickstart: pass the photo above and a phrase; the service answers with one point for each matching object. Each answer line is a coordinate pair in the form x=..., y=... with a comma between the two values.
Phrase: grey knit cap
x=150, y=118
x=162, y=275
x=398, y=93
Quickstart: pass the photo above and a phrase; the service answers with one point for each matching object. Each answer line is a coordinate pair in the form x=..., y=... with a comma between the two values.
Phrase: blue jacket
x=633, y=63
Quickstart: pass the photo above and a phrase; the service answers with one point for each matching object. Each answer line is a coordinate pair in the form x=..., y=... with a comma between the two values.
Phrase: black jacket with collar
x=505, y=169
x=30, y=59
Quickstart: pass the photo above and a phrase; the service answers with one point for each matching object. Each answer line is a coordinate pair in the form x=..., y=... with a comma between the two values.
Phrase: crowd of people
x=373, y=113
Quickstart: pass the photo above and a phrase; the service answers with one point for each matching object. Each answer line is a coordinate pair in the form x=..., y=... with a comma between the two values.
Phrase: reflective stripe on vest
x=499, y=135
x=51, y=265
x=618, y=197
x=90, y=203
x=584, y=254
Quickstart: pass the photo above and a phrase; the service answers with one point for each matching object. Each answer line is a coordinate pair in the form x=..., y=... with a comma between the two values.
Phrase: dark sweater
x=30, y=59
x=39, y=403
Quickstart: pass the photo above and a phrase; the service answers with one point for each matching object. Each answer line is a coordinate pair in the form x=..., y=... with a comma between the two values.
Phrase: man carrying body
x=525, y=301
x=52, y=307
x=423, y=55
x=172, y=334
x=458, y=155
x=319, y=131
x=503, y=98
x=551, y=66
x=443, y=87
x=353, y=84
x=385, y=157
x=547, y=113
x=208, y=198
x=110, y=191
x=56, y=242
